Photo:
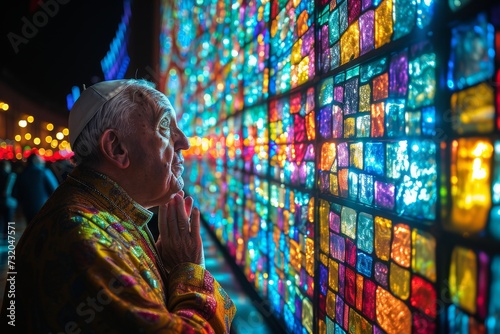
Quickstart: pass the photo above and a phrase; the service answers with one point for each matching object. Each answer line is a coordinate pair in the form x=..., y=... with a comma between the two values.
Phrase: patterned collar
x=114, y=195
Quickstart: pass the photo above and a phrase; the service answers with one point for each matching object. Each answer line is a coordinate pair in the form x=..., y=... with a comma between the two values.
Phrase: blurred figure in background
x=34, y=185
x=8, y=204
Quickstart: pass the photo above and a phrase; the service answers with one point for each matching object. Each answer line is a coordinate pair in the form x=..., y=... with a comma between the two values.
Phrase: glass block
x=365, y=232
x=392, y=314
x=401, y=245
x=424, y=254
x=374, y=158
x=399, y=281
x=383, y=237
x=471, y=47
x=463, y=278
x=473, y=109
x=395, y=119
x=470, y=183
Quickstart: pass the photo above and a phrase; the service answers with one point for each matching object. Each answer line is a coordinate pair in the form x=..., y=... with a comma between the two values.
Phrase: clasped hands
x=179, y=226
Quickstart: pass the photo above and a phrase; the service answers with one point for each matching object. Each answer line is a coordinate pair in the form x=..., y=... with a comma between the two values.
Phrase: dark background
x=68, y=44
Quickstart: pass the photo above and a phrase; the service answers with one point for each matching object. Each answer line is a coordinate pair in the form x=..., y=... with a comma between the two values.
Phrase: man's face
x=155, y=153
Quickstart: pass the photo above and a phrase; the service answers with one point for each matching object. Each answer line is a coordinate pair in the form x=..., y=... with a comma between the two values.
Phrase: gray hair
x=115, y=114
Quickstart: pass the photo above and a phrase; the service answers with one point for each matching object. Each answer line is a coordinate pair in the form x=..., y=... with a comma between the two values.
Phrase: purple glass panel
x=339, y=310
x=365, y=4
x=325, y=50
x=325, y=121
x=384, y=195
x=324, y=181
x=338, y=129
x=334, y=222
x=341, y=279
x=351, y=96
x=381, y=271
x=343, y=154
x=398, y=75
x=366, y=24
x=338, y=94
x=337, y=247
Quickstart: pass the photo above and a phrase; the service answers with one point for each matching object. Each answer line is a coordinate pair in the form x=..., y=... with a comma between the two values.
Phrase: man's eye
x=164, y=123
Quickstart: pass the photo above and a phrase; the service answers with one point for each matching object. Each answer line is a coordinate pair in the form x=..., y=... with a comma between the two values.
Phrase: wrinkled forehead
x=164, y=108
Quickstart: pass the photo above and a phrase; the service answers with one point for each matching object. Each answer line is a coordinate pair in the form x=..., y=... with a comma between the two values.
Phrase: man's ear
x=113, y=149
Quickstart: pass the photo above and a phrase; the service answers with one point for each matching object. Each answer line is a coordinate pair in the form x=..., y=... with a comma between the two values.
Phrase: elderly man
x=87, y=263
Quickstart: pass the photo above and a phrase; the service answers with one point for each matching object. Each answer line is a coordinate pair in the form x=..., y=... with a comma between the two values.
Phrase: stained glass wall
x=346, y=153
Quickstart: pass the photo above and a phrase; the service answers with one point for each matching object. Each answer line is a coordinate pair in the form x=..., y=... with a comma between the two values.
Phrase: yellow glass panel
x=310, y=126
x=323, y=259
x=330, y=304
x=296, y=56
x=424, y=254
x=475, y=109
x=401, y=245
x=349, y=127
x=333, y=275
x=295, y=255
x=392, y=314
x=358, y=324
x=334, y=185
x=470, y=184
x=310, y=256
x=399, y=281
x=307, y=315
x=356, y=155
x=349, y=44
x=304, y=70
x=364, y=98
x=463, y=278
x=383, y=237
x=328, y=156
x=324, y=226
x=310, y=210
x=383, y=23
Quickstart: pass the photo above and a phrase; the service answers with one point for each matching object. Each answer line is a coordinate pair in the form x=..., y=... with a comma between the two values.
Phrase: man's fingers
x=195, y=222
x=172, y=219
x=188, y=205
x=162, y=220
x=180, y=207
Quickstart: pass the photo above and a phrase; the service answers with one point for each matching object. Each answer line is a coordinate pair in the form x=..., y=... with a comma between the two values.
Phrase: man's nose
x=182, y=142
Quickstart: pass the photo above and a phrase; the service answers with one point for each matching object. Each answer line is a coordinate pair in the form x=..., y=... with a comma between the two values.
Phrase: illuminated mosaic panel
x=291, y=131
x=256, y=140
x=253, y=248
x=474, y=183
x=383, y=157
x=384, y=100
x=349, y=29
x=255, y=70
x=291, y=253
x=474, y=172
x=374, y=273
x=292, y=44
x=233, y=143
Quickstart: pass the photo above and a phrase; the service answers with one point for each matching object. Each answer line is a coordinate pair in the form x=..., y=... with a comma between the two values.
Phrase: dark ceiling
x=65, y=48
